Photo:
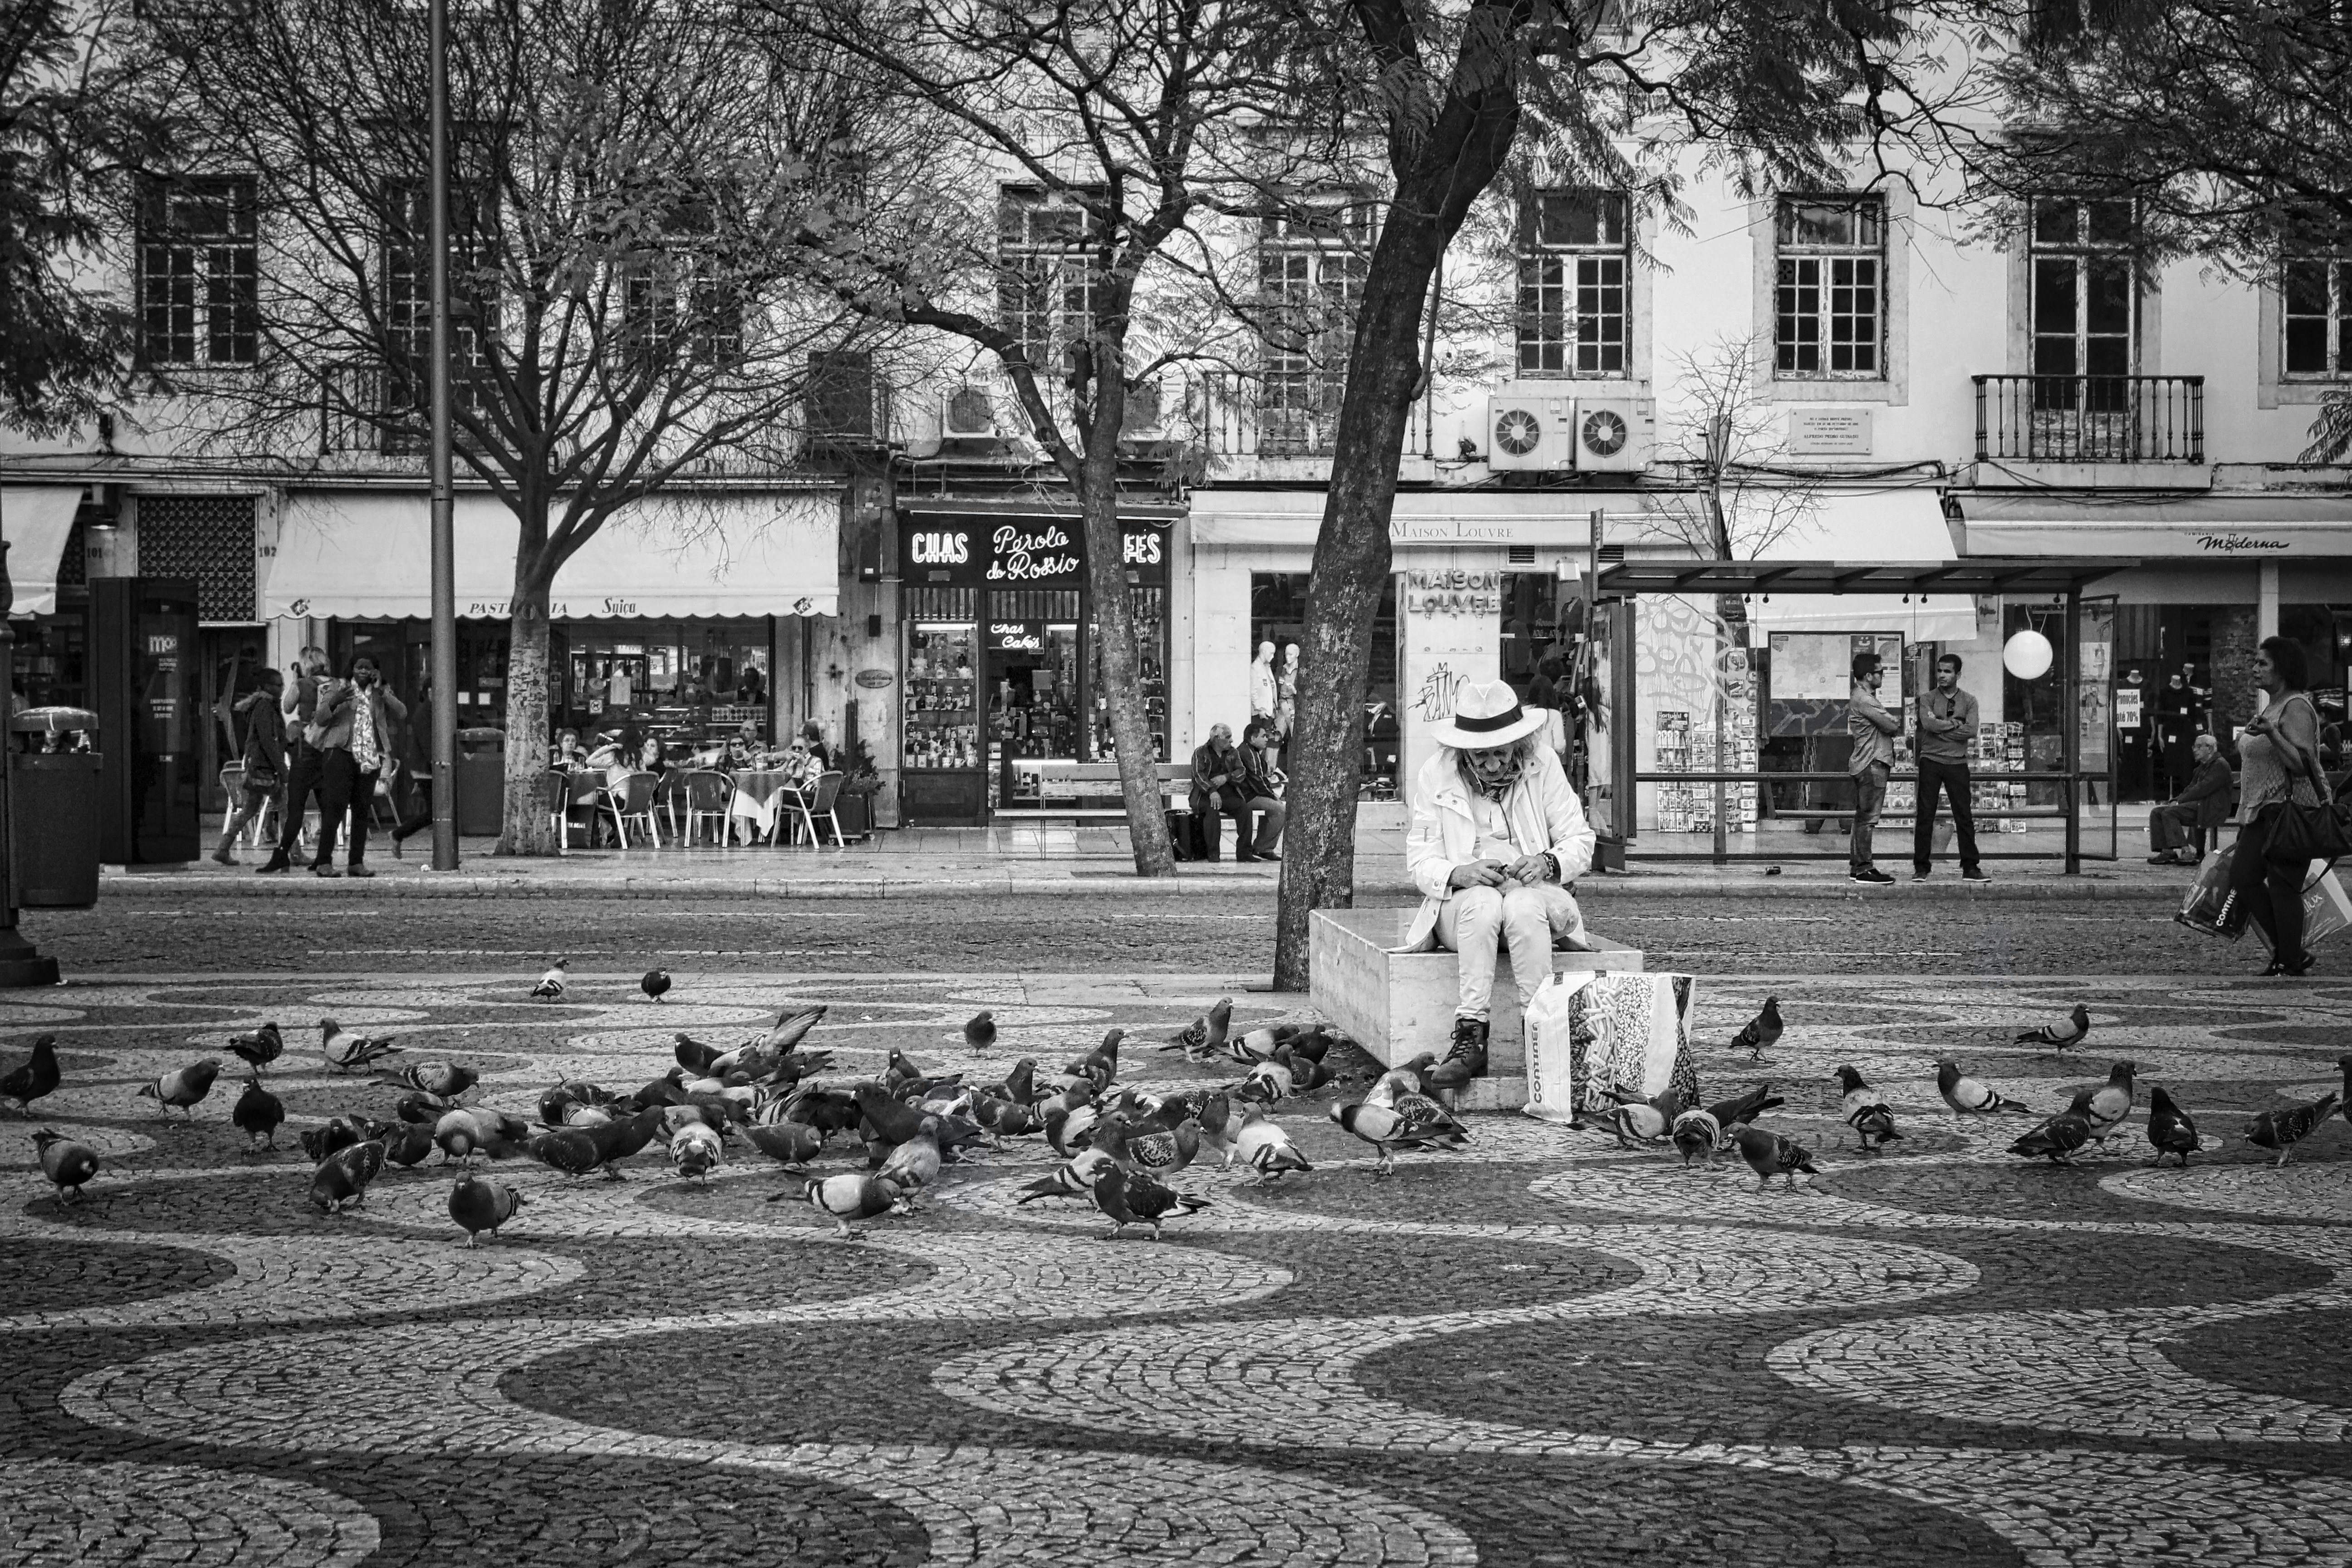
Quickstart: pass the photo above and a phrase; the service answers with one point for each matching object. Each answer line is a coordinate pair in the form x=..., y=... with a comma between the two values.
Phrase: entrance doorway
x=229, y=662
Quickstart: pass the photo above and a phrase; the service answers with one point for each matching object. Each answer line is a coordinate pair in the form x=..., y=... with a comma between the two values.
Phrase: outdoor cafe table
x=760, y=796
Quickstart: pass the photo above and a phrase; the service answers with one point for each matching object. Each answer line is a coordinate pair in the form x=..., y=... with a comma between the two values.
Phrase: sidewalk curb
x=152, y=886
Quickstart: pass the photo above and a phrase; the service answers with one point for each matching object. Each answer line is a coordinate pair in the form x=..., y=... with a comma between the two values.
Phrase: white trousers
x=1477, y=921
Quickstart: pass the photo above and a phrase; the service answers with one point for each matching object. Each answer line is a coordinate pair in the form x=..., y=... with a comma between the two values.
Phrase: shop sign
x=1018, y=555
x=873, y=679
x=1454, y=592
x=1142, y=550
x=1017, y=637
x=938, y=547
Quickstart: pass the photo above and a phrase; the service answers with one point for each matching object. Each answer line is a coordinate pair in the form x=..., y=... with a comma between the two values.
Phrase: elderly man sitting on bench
x=1497, y=837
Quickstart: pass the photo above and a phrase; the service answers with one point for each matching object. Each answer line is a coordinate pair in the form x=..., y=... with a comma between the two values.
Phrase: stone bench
x=1400, y=1003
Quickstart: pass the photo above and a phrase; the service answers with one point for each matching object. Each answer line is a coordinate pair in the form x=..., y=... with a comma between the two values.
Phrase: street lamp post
x=21, y=963
x=444, y=572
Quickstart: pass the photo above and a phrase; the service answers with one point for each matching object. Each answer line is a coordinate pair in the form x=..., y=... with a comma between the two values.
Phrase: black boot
x=1464, y=1059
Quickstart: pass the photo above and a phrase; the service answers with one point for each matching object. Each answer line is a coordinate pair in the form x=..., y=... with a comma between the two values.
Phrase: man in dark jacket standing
x=299, y=705
x=1948, y=723
x=356, y=720
x=2176, y=831
x=1873, y=729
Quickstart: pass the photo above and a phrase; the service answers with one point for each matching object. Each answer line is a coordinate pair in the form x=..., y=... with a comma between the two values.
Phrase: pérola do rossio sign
x=1018, y=552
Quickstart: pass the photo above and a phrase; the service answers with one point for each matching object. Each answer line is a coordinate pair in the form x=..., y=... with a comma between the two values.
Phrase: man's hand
x=1530, y=869
x=1218, y=781
x=1477, y=873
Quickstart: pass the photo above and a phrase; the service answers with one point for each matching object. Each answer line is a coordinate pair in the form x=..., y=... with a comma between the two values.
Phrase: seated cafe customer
x=1221, y=783
x=2178, y=829
x=1497, y=837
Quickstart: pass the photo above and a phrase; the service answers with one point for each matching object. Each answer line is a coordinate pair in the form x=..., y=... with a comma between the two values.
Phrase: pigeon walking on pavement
x=2059, y=1033
x=258, y=1047
x=257, y=1112
x=2058, y=1140
x=979, y=1030
x=34, y=1078
x=2170, y=1129
x=341, y=1180
x=853, y=1195
x=1127, y=1199
x=1266, y=1149
x=1769, y=1154
x=66, y=1163
x=182, y=1089
x=343, y=1051
x=1761, y=1033
x=550, y=985
x=1967, y=1097
x=2283, y=1130
x=656, y=985
x=443, y=1081
x=480, y=1203
x=1862, y=1108
x=1410, y=1121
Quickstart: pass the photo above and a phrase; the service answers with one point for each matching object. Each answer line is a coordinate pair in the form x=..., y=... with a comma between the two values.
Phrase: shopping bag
x=2325, y=909
x=2208, y=894
x=1591, y=1037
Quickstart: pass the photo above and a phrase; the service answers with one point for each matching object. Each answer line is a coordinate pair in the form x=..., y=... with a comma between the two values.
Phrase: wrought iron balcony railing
x=2091, y=419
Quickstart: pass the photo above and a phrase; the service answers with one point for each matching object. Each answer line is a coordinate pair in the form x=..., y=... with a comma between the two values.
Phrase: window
x=1573, y=299
x=1310, y=276
x=408, y=283
x=1045, y=273
x=2317, y=291
x=199, y=272
x=2085, y=306
x=1829, y=287
x=675, y=303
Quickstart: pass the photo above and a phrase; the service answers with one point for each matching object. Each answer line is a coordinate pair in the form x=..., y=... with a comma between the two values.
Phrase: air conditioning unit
x=1530, y=429
x=1614, y=434
x=969, y=411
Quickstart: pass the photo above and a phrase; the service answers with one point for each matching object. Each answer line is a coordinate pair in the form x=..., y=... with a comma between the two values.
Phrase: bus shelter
x=1725, y=738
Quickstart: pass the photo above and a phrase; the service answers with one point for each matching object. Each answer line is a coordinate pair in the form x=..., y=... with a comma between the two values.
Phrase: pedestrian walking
x=264, y=756
x=2278, y=755
x=2176, y=829
x=413, y=748
x=300, y=708
x=1873, y=727
x=354, y=729
x=1947, y=723
x=1497, y=835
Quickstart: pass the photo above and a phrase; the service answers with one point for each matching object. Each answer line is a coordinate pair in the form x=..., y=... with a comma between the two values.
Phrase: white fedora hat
x=1487, y=713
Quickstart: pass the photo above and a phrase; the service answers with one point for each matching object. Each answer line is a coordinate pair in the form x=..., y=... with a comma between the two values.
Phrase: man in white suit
x=1497, y=837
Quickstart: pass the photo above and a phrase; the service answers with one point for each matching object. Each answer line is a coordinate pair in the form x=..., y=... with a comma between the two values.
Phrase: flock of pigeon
x=1118, y=1144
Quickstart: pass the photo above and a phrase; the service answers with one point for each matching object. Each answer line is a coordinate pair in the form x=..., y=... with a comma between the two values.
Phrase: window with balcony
x=2085, y=282
x=199, y=276
x=408, y=280
x=1574, y=254
x=2316, y=294
x=1045, y=244
x=1310, y=269
x=1829, y=287
x=675, y=303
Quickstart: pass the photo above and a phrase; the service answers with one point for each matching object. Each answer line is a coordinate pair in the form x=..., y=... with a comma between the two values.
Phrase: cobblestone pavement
x=151, y=931
x=1544, y=1349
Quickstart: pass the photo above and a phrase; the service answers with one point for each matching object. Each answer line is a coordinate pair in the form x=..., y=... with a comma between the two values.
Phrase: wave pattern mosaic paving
x=1544, y=1348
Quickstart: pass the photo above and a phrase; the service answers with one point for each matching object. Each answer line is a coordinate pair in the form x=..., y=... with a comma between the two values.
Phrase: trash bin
x=55, y=798
x=481, y=782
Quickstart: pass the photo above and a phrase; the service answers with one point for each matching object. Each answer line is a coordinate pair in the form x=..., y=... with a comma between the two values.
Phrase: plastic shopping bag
x=2201, y=910
x=1589, y=1034
x=2326, y=910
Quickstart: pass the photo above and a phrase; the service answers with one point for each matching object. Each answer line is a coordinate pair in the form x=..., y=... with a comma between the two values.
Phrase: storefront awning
x=2198, y=528
x=2041, y=576
x=363, y=556
x=1426, y=518
x=37, y=520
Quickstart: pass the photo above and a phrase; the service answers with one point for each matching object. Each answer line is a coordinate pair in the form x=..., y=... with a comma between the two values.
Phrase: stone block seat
x=1400, y=1003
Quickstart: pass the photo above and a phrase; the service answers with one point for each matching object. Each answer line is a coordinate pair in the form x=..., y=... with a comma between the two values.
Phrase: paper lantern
x=2027, y=655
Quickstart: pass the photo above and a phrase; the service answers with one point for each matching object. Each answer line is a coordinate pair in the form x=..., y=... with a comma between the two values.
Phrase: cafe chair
x=669, y=797
x=816, y=800
x=630, y=798
x=707, y=795
x=571, y=800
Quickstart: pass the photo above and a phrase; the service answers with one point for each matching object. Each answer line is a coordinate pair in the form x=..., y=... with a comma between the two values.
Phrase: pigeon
x=2170, y=1129
x=2106, y=1107
x=655, y=984
x=342, y=1052
x=1253, y=1045
x=550, y=985
x=480, y=1203
x=979, y=1031
x=1699, y=1134
x=1411, y=1122
x=618, y=1140
x=1003, y=1118
x=1740, y=1109
x=1149, y=1148
x=695, y=1150
x=257, y=1113
x=260, y=1046
x=1270, y=1083
x=1072, y=1179
x=1098, y=1066
x=67, y=1163
x=1205, y=1036
x=1020, y=1085
x=1070, y=1115
x=1402, y=1078
x=183, y=1088
x=1127, y=1199
x=915, y=1163
x=443, y=1081
x=788, y=1142
x=1768, y=1154
x=853, y=1195
x=2283, y=1130
x=1644, y=1122
x=1861, y=1107
x=1266, y=1149
x=1967, y=1097
x=694, y=1056
x=1761, y=1033
x=34, y=1078
x=2057, y=1140
x=421, y=1108
x=339, y=1132
x=407, y=1142
x=465, y=1131
x=341, y=1179
x=2059, y=1033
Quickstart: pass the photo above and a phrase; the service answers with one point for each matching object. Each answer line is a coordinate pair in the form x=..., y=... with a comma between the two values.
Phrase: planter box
x=1400, y=1003
x=855, y=814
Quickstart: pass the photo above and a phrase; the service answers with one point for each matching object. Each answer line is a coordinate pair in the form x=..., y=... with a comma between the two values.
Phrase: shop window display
x=942, y=727
x=1150, y=609
x=1278, y=615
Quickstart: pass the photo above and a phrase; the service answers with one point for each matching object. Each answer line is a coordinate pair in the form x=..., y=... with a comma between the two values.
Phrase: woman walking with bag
x=2278, y=755
x=265, y=758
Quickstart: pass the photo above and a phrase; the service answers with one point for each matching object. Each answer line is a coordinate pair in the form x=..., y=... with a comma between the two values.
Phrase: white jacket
x=1543, y=812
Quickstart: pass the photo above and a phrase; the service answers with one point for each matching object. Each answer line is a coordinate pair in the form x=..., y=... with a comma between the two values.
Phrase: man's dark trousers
x=340, y=781
x=302, y=779
x=1952, y=778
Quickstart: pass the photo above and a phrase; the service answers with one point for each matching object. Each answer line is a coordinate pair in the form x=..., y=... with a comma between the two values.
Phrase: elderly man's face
x=2207, y=748
x=1221, y=736
x=1491, y=763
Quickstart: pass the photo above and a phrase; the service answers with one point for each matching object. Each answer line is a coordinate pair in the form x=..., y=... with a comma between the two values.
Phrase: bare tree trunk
x=1121, y=690
x=527, y=828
